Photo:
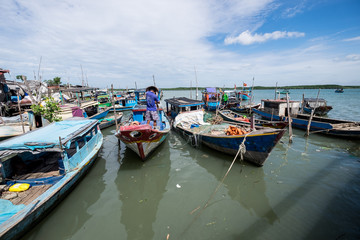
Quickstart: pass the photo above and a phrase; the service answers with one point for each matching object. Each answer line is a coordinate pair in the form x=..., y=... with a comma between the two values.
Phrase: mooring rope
x=241, y=151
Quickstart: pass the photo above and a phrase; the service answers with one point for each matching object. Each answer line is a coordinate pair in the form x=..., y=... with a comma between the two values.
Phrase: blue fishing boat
x=211, y=98
x=125, y=101
x=339, y=90
x=186, y=116
x=277, y=110
x=40, y=167
x=246, y=92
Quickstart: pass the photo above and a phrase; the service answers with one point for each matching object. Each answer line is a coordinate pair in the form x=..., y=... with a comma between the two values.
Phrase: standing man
x=225, y=98
x=151, y=105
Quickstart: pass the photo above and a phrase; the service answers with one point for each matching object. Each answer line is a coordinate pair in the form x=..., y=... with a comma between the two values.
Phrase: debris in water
x=178, y=186
x=211, y=223
x=205, y=156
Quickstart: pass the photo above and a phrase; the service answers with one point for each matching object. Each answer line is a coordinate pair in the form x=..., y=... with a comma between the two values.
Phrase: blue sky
x=228, y=42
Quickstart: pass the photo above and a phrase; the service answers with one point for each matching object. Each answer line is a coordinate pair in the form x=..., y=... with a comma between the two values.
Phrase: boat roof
x=278, y=101
x=183, y=102
x=210, y=90
x=314, y=100
x=48, y=136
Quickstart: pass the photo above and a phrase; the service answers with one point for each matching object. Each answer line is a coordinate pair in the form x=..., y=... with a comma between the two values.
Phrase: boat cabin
x=314, y=102
x=139, y=112
x=279, y=107
x=174, y=106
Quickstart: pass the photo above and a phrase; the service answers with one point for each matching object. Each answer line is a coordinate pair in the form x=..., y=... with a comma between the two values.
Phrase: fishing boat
x=14, y=126
x=124, y=100
x=141, y=137
x=187, y=118
x=318, y=105
x=277, y=110
x=40, y=168
x=339, y=90
x=246, y=92
x=104, y=117
x=211, y=99
x=231, y=116
x=245, y=108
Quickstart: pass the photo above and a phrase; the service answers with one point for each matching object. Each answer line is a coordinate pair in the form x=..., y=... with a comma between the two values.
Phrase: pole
x=154, y=81
x=275, y=90
x=190, y=89
x=302, y=103
x=311, y=116
x=289, y=117
x=112, y=102
x=22, y=122
x=196, y=84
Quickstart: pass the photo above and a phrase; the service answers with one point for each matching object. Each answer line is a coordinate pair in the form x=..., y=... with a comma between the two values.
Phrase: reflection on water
x=141, y=186
x=308, y=189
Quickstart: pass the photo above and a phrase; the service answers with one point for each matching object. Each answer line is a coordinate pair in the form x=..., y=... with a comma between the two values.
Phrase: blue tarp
x=7, y=210
x=211, y=90
x=46, y=137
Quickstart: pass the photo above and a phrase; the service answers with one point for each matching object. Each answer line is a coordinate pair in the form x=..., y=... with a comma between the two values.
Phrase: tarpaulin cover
x=7, y=210
x=47, y=137
x=211, y=90
x=187, y=119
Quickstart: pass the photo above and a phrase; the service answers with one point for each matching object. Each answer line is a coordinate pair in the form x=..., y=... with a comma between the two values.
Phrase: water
x=306, y=190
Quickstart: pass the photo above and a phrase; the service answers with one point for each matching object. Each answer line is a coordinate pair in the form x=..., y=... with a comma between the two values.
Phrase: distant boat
x=40, y=168
x=211, y=99
x=231, y=116
x=12, y=126
x=319, y=106
x=141, y=137
x=187, y=118
x=246, y=92
x=284, y=91
x=277, y=110
x=339, y=90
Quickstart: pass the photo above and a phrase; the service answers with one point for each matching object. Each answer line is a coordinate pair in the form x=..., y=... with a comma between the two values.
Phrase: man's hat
x=152, y=88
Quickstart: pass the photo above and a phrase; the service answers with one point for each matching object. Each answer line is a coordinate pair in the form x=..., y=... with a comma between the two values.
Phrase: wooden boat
x=231, y=116
x=13, y=126
x=50, y=161
x=339, y=90
x=111, y=120
x=187, y=118
x=246, y=92
x=104, y=117
x=141, y=137
x=318, y=105
x=211, y=98
x=245, y=108
x=277, y=110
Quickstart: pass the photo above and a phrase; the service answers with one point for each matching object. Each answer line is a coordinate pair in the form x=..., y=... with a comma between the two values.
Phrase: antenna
x=154, y=81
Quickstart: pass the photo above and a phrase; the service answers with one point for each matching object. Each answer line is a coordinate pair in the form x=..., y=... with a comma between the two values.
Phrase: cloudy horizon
x=227, y=42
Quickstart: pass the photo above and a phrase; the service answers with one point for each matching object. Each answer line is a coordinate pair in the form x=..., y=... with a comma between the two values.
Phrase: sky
x=176, y=43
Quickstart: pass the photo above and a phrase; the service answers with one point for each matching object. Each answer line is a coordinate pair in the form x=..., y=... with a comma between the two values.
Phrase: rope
x=241, y=151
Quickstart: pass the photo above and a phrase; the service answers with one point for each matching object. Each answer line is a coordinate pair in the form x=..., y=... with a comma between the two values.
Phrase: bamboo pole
x=275, y=90
x=311, y=116
x=112, y=102
x=22, y=121
x=302, y=103
x=289, y=117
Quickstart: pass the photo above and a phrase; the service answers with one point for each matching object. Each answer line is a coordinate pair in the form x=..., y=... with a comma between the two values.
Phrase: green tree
x=53, y=82
x=49, y=111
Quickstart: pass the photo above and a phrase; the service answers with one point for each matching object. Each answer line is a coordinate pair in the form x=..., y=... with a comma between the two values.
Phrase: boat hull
x=258, y=146
x=333, y=127
x=142, y=139
x=32, y=213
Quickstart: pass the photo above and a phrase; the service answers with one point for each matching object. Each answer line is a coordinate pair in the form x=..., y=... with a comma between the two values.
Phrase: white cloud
x=246, y=38
x=352, y=39
x=353, y=57
x=121, y=42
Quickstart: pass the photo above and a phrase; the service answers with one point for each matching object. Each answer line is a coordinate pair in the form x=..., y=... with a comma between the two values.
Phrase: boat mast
x=196, y=84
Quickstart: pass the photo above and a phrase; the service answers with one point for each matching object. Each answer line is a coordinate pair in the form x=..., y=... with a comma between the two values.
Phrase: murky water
x=309, y=189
